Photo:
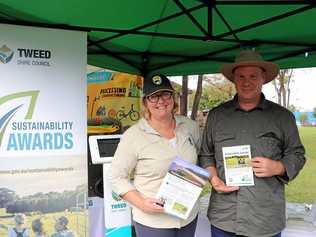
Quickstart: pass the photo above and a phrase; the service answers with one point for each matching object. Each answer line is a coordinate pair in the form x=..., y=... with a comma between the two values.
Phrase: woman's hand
x=146, y=204
x=152, y=205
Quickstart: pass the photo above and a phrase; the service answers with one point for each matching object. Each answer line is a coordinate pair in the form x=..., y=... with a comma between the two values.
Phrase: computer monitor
x=103, y=147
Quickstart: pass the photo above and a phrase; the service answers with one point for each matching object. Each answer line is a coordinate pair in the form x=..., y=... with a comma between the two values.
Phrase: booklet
x=238, y=170
x=181, y=187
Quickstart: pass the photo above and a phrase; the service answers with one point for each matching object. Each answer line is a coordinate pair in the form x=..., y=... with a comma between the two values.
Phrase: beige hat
x=250, y=58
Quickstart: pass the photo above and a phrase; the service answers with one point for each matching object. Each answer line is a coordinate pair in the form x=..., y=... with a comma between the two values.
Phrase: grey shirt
x=271, y=131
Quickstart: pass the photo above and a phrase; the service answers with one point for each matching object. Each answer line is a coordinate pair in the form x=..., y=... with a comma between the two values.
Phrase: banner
x=113, y=101
x=43, y=153
x=113, y=105
x=117, y=212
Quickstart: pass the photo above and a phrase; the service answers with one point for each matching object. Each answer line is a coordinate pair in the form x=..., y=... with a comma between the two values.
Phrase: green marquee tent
x=178, y=37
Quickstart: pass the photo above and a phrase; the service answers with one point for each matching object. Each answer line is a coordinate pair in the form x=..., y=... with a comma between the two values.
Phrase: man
x=19, y=230
x=276, y=150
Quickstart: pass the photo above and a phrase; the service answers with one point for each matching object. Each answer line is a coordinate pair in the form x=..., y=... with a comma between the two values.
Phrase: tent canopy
x=178, y=37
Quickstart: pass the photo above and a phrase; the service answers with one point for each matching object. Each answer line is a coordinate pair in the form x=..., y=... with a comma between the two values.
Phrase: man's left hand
x=266, y=167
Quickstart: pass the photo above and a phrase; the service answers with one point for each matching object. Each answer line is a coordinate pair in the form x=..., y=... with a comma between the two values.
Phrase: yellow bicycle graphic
x=132, y=114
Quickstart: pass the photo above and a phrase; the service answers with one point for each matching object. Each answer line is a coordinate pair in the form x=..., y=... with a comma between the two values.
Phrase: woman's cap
x=155, y=84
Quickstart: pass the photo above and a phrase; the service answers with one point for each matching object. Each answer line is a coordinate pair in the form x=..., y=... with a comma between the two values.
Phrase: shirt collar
x=144, y=125
x=179, y=120
x=263, y=104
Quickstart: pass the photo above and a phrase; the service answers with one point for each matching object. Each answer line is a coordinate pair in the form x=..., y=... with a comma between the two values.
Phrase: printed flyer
x=238, y=170
x=181, y=187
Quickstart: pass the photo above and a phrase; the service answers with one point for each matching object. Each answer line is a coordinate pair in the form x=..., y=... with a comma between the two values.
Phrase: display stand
x=117, y=212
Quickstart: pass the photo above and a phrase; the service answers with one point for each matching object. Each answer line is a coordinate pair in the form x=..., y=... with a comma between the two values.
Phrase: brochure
x=238, y=170
x=181, y=187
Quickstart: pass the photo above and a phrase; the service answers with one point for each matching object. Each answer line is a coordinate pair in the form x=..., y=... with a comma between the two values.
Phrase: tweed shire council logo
x=119, y=203
x=116, y=197
x=6, y=54
x=7, y=117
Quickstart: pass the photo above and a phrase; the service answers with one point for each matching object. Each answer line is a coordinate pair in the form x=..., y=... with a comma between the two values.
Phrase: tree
x=184, y=96
x=292, y=108
x=314, y=112
x=6, y=196
x=216, y=91
x=303, y=118
x=197, y=97
x=282, y=87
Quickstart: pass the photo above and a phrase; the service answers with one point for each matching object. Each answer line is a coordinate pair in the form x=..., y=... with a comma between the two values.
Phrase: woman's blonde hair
x=145, y=113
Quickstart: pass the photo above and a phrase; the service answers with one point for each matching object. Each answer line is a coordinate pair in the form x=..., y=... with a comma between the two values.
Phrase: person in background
x=61, y=227
x=146, y=149
x=19, y=230
x=277, y=153
x=38, y=228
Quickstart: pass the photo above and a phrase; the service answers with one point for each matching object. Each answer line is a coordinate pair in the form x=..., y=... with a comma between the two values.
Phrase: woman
x=146, y=151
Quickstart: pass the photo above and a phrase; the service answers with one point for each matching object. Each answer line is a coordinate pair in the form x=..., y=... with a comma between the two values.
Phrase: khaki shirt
x=270, y=130
x=143, y=152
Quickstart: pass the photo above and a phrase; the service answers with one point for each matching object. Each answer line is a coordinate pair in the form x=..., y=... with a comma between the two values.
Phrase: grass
x=303, y=188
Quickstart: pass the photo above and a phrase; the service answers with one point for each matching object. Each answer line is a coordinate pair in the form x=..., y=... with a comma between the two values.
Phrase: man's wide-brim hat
x=250, y=58
x=156, y=83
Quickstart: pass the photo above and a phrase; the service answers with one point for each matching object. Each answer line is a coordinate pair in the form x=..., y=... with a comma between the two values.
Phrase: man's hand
x=266, y=167
x=220, y=186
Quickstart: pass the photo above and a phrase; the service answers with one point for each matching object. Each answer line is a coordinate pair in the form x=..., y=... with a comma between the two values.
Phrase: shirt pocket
x=223, y=140
x=154, y=160
x=187, y=149
x=269, y=145
x=153, y=167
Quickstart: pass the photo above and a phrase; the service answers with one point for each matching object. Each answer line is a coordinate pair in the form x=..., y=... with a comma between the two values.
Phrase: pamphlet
x=238, y=170
x=181, y=187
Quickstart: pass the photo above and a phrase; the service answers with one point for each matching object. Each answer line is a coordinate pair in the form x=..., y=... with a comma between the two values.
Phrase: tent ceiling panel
x=178, y=37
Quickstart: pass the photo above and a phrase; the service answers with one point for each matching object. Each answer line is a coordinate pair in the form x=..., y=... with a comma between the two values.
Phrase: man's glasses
x=165, y=95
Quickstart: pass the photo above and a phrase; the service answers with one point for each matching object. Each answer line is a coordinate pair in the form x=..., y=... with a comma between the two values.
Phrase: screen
x=107, y=147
